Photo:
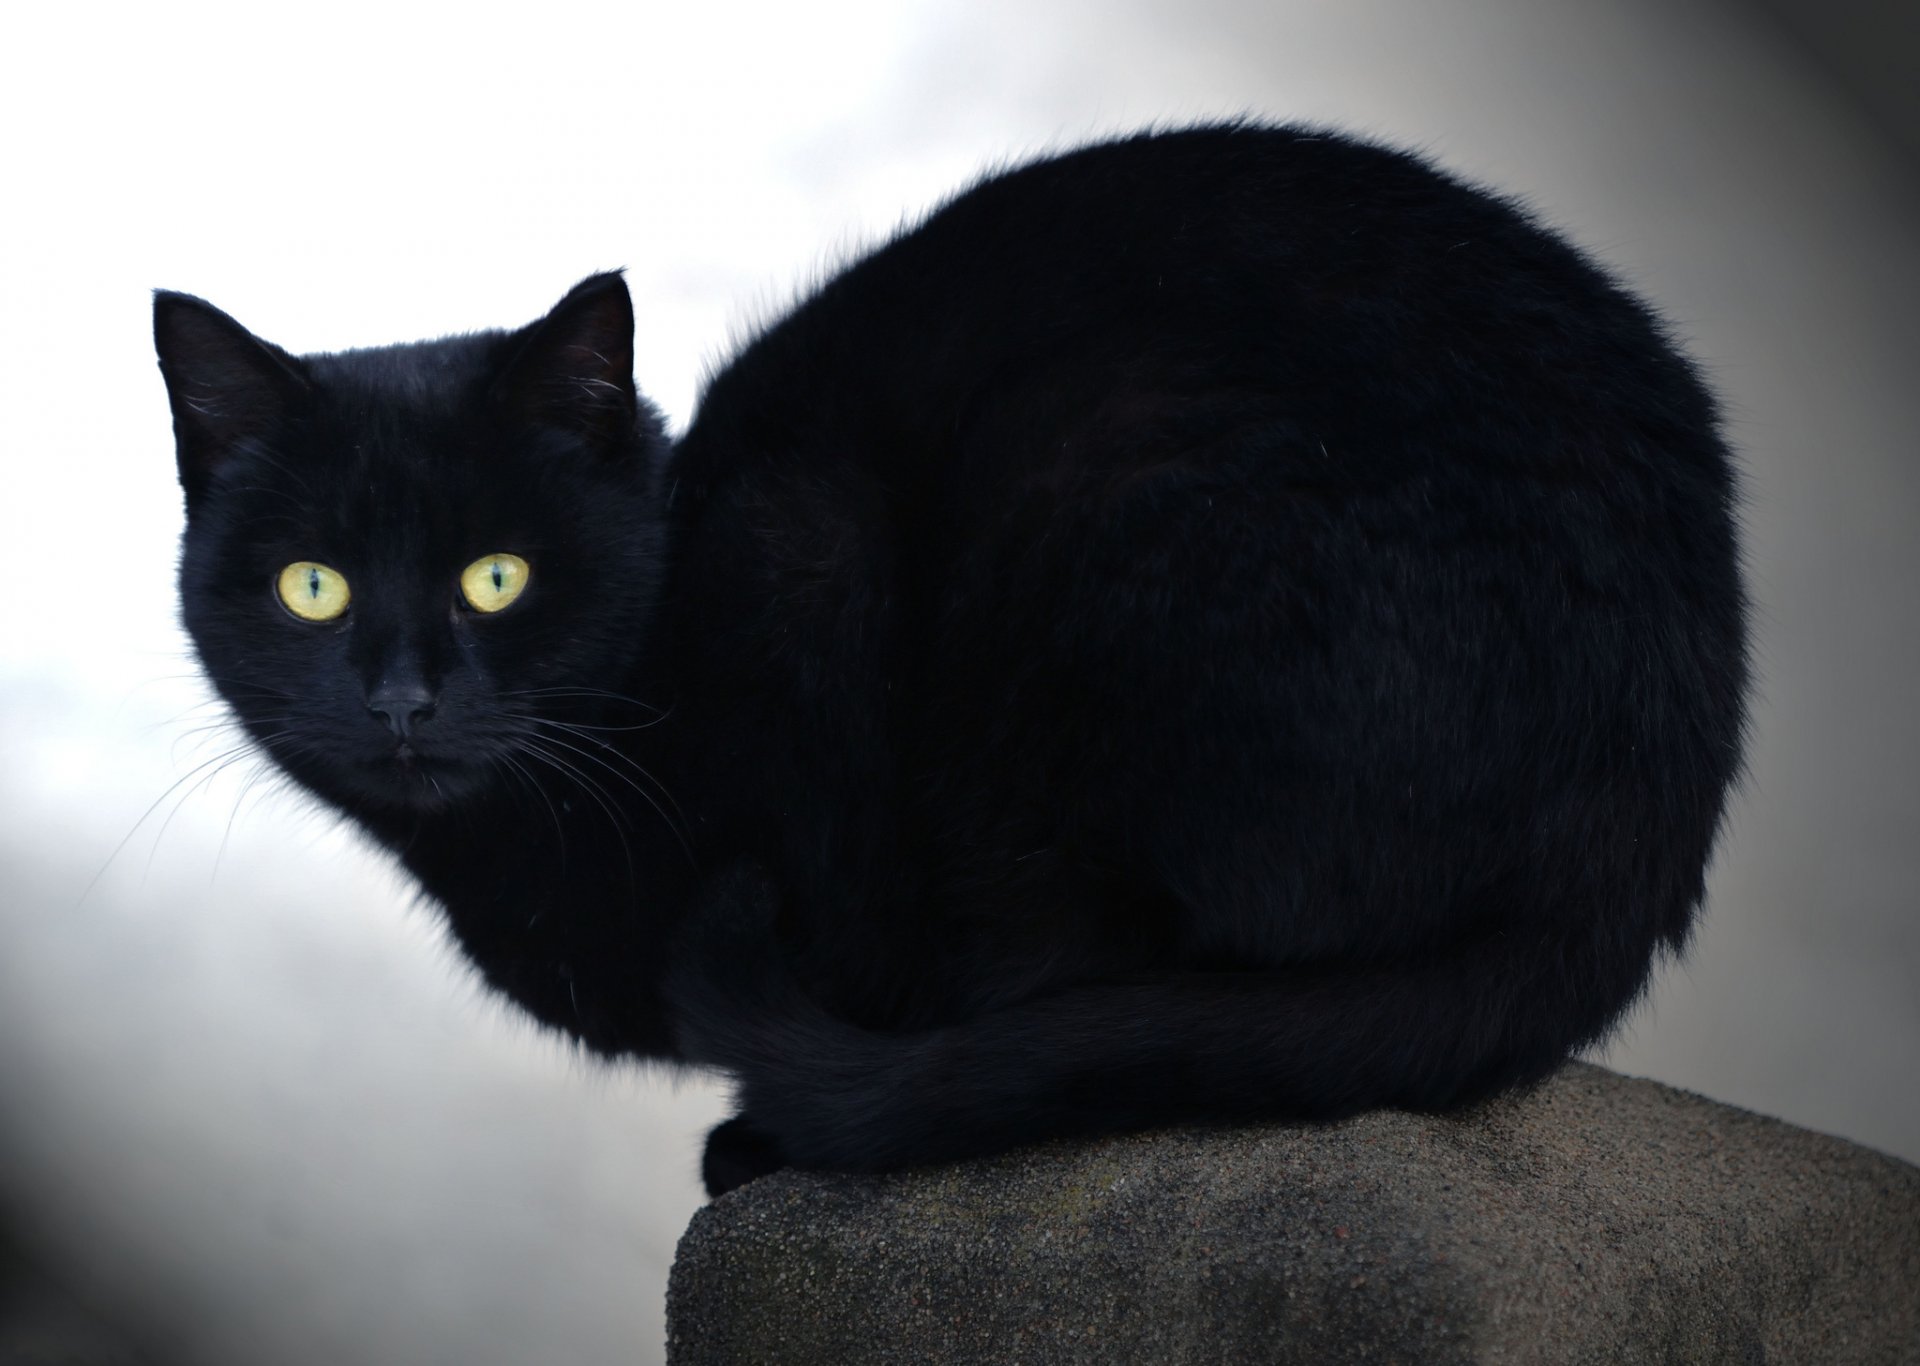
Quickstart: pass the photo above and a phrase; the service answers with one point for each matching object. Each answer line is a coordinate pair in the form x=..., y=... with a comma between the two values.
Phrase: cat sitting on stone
x=1226, y=624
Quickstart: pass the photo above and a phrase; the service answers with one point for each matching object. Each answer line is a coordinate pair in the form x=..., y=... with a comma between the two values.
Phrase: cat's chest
x=570, y=920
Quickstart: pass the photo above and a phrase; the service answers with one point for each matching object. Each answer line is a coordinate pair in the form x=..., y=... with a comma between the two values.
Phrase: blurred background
x=252, y=1107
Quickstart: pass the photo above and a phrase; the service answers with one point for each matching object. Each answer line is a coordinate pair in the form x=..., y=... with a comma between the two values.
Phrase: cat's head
x=401, y=563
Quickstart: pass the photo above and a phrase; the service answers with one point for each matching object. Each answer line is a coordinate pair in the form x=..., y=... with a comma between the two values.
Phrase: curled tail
x=1133, y=1053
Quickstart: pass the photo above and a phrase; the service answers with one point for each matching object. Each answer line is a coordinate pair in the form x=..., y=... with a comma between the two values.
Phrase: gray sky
x=248, y=1098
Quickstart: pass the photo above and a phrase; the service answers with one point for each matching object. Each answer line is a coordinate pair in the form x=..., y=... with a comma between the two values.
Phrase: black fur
x=1227, y=624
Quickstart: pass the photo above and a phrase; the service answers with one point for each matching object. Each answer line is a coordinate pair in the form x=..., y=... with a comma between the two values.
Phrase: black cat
x=1227, y=624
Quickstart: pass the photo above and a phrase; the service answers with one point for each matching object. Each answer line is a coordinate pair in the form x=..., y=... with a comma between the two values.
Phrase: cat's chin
x=410, y=783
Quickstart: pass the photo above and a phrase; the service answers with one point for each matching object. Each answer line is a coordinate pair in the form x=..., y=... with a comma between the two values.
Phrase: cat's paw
x=736, y=1154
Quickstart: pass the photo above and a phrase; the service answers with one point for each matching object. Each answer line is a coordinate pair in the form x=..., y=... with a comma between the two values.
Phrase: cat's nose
x=403, y=706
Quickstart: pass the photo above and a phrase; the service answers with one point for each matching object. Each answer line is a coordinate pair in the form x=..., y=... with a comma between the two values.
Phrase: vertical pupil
x=499, y=579
x=313, y=583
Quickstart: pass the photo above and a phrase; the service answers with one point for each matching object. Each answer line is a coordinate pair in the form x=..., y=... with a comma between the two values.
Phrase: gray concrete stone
x=1599, y=1219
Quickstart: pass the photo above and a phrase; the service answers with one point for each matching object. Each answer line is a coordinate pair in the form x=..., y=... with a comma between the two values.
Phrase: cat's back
x=1240, y=269
x=1293, y=384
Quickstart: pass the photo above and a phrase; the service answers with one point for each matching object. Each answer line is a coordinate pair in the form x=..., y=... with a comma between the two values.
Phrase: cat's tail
x=1132, y=1053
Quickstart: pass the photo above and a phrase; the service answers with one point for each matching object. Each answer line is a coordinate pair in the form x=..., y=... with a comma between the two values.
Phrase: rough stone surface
x=1599, y=1219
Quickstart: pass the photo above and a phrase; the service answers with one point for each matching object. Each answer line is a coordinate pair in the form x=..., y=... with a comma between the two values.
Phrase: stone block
x=1596, y=1219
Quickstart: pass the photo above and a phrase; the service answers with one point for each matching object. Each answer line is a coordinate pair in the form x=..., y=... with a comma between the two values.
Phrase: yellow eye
x=312, y=591
x=493, y=581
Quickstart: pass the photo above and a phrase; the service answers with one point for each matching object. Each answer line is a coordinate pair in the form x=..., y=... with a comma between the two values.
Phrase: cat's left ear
x=574, y=368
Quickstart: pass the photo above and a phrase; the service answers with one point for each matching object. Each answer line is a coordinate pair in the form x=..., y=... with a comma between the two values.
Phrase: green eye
x=312, y=591
x=493, y=581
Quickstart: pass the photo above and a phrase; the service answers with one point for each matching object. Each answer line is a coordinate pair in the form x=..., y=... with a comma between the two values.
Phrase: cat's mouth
x=421, y=781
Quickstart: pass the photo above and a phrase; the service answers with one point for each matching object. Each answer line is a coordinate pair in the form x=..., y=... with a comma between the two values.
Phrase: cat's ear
x=574, y=368
x=227, y=387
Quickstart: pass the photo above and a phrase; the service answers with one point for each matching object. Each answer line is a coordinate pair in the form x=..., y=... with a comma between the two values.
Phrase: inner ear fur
x=227, y=387
x=573, y=369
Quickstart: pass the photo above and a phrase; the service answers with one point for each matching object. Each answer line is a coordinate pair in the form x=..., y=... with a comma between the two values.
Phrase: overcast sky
x=249, y=1101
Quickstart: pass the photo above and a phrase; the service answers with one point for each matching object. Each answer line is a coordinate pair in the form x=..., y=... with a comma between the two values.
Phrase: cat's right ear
x=228, y=388
x=573, y=369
